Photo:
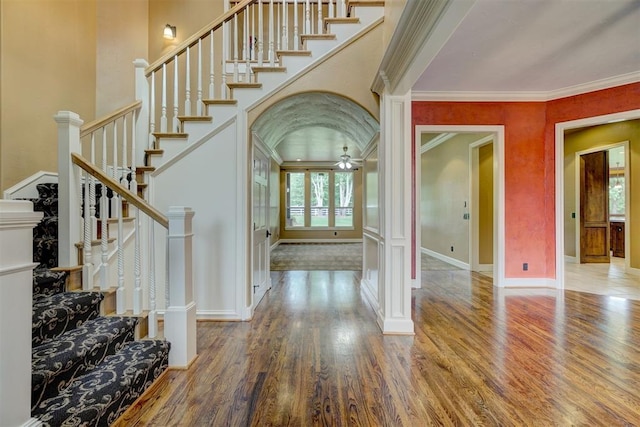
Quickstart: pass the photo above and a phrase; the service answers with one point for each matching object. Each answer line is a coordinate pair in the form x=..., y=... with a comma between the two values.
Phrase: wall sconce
x=169, y=32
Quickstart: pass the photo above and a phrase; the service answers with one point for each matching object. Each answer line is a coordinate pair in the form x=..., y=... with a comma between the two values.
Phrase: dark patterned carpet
x=317, y=256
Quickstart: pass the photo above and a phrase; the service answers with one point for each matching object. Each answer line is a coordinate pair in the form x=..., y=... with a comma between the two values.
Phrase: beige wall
x=122, y=37
x=593, y=137
x=445, y=197
x=392, y=12
x=47, y=64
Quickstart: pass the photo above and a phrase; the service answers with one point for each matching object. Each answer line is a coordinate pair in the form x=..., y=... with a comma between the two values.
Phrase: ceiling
x=499, y=50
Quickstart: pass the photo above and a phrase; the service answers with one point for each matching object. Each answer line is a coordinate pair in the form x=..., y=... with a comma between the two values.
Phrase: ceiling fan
x=345, y=160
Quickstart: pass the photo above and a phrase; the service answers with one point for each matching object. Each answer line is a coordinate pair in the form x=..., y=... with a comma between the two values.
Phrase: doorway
x=468, y=211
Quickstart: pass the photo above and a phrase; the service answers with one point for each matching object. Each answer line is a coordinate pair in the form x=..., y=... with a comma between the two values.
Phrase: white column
x=69, y=219
x=180, y=317
x=395, y=164
x=17, y=220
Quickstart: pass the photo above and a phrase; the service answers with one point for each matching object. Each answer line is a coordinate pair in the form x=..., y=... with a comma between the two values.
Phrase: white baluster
x=319, y=17
x=120, y=308
x=235, y=47
x=87, y=261
x=212, y=94
x=252, y=34
x=343, y=8
x=330, y=14
x=272, y=53
x=92, y=200
x=163, y=116
x=187, y=79
x=199, y=100
x=176, y=123
x=260, y=35
x=114, y=167
x=225, y=54
x=153, y=322
x=104, y=200
x=247, y=47
x=152, y=113
x=307, y=18
x=296, y=35
x=125, y=165
x=137, y=289
x=278, y=28
x=134, y=179
x=285, y=26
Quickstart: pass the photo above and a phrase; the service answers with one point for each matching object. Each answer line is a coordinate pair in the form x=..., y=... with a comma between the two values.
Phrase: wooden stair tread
x=142, y=185
x=317, y=37
x=347, y=20
x=145, y=168
x=268, y=69
x=125, y=219
x=67, y=269
x=154, y=151
x=97, y=242
x=220, y=101
x=369, y=3
x=244, y=85
x=293, y=52
x=195, y=119
x=170, y=135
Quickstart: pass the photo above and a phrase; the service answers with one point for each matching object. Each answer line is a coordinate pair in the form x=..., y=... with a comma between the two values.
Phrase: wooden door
x=594, y=207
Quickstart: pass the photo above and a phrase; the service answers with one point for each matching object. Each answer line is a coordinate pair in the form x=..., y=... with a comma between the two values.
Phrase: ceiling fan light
x=348, y=165
x=341, y=165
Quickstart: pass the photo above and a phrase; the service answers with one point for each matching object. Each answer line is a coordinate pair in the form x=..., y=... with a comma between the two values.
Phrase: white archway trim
x=561, y=127
x=498, y=132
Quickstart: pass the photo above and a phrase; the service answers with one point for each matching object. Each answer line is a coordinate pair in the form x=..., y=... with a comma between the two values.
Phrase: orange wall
x=529, y=162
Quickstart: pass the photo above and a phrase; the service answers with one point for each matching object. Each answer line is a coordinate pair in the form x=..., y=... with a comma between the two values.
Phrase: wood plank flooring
x=313, y=356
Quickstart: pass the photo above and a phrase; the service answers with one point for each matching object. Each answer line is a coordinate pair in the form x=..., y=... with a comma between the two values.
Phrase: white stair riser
x=320, y=47
x=368, y=14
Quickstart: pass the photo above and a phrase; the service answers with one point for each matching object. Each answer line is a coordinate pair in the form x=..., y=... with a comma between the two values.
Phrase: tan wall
x=592, y=137
x=188, y=16
x=485, y=205
x=445, y=197
x=392, y=11
x=355, y=233
x=350, y=76
x=47, y=64
x=122, y=37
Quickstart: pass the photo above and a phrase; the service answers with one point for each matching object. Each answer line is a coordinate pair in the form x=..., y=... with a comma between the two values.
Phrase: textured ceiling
x=314, y=126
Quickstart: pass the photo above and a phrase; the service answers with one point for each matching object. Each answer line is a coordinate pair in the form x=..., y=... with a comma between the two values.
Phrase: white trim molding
x=452, y=261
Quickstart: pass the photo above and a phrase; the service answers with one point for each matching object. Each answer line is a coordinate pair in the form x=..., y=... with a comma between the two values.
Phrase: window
x=321, y=199
x=616, y=196
x=343, y=193
x=295, y=199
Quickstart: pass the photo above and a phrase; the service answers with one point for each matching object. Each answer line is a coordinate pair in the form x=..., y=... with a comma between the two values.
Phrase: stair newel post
x=163, y=114
x=187, y=79
x=68, y=187
x=175, y=127
x=104, y=209
x=17, y=221
x=247, y=47
x=144, y=120
x=272, y=53
x=260, y=34
x=307, y=17
x=319, y=29
x=199, y=96
x=180, y=316
x=295, y=25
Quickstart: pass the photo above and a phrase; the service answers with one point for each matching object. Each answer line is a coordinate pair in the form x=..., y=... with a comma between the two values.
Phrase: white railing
x=101, y=156
x=226, y=52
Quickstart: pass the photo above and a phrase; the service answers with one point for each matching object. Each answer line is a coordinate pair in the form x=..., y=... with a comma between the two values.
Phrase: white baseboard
x=634, y=271
x=485, y=267
x=221, y=315
x=570, y=259
x=529, y=283
x=275, y=245
x=448, y=260
x=320, y=241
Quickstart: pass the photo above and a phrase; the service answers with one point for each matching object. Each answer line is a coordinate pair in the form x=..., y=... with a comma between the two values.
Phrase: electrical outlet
x=573, y=214
x=451, y=248
x=525, y=266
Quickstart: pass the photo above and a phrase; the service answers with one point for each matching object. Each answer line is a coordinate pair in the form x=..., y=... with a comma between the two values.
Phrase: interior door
x=594, y=207
x=261, y=242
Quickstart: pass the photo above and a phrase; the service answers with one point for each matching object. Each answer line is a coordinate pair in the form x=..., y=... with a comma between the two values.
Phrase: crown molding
x=527, y=96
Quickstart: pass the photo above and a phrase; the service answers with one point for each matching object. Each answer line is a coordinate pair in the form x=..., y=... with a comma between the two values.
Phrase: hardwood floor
x=313, y=355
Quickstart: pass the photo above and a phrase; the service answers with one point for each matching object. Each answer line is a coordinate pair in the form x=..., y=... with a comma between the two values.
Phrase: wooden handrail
x=98, y=123
x=213, y=25
x=134, y=199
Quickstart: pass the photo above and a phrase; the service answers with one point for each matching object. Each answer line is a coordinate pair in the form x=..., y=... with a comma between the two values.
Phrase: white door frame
x=560, y=128
x=498, y=135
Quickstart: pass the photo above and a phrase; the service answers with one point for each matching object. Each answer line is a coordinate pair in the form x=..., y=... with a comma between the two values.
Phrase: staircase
x=87, y=368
